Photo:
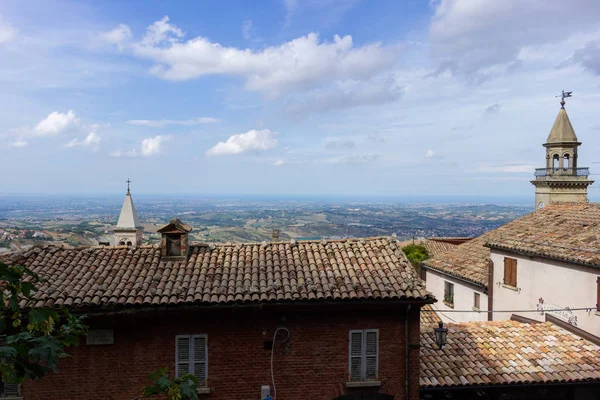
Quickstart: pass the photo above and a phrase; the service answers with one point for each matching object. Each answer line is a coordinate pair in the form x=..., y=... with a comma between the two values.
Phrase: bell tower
x=561, y=180
x=128, y=231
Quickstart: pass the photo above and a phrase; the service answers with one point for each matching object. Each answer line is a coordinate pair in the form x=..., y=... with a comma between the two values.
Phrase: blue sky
x=314, y=97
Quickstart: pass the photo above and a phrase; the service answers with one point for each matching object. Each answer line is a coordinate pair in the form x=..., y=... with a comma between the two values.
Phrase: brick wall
x=313, y=364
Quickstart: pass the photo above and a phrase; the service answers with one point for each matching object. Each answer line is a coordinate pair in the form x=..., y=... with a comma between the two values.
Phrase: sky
x=292, y=97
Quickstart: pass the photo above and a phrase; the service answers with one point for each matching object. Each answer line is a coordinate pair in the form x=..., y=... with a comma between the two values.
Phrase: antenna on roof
x=128, y=182
x=563, y=96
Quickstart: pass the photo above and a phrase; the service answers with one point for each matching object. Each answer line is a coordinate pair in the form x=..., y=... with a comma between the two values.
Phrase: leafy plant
x=184, y=387
x=416, y=253
x=33, y=339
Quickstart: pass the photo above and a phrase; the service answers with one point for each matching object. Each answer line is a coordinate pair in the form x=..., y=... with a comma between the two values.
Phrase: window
x=476, y=301
x=191, y=357
x=364, y=355
x=11, y=390
x=566, y=162
x=173, y=244
x=449, y=293
x=510, y=271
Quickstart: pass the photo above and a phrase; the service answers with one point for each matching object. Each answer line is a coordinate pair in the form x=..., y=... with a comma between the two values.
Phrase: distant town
x=26, y=221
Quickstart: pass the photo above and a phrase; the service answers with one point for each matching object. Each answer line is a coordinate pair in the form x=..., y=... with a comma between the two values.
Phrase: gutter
x=535, y=254
x=406, y=348
x=455, y=277
x=522, y=385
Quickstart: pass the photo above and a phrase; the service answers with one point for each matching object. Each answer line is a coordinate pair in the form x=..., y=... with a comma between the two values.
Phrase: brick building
x=346, y=314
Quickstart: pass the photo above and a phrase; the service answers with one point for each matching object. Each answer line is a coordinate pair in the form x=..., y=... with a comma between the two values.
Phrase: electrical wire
x=588, y=309
x=281, y=328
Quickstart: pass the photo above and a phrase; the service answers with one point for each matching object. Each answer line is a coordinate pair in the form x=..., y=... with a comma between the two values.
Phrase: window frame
x=476, y=301
x=192, y=362
x=363, y=356
x=598, y=294
x=449, y=294
x=510, y=270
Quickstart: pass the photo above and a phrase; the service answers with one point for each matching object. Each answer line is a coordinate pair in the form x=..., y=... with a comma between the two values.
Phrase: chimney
x=174, y=242
x=275, y=235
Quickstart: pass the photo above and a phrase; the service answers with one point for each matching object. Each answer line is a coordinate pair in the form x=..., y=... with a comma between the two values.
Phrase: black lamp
x=440, y=335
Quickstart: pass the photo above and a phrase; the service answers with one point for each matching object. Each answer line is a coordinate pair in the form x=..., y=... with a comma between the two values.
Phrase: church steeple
x=128, y=231
x=561, y=180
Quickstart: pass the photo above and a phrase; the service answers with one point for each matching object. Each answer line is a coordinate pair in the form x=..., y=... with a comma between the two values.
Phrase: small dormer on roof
x=128, y=231
x=174, y=241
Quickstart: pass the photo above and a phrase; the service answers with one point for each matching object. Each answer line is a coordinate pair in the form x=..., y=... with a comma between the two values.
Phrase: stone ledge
x=356, y=384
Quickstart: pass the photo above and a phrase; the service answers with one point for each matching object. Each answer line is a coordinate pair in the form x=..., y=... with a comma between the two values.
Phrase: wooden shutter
x=598, y=293
x=200, y=358
x=506, y=271
x=355, y=351
x=371, y=353
x=513, y=272
x=182, y=355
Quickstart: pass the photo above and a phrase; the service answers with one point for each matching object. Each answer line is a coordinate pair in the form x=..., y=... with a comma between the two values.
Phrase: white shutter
x=200, y=359
x=11, y=390
x=182, y=355
x=371, y=353
x=355, y=353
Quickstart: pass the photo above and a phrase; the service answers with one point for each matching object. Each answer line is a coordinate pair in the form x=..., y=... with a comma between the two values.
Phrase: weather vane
x=128, y=182
x=563, y=96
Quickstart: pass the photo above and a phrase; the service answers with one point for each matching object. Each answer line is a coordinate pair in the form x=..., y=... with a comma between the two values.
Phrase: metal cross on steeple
x=563, y=96
x=128, y=182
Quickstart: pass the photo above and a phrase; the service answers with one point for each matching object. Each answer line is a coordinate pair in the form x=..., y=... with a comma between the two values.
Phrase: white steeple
x=128, y=230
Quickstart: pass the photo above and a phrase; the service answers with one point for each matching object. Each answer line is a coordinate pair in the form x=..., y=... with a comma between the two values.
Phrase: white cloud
x=340, y=145
x=7, y=32
x=430, y=153
x=55, y=123
x=246, y=27
x=588, y=57
x=151, y=146
x=352, y=94
x=479, y=39
x=119, y=36
x=297, y=65
x=253, y=140
x=126, y=154
x=19, y=143
x=357, y=159
x=91, y=140
x=163, y=122
x=506, y=168
x=279, y=163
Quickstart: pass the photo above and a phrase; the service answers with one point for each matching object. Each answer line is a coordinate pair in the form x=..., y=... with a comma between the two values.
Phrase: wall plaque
x=96, y=337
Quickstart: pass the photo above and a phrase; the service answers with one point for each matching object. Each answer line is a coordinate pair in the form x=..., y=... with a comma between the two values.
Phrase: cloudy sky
x=294, y=97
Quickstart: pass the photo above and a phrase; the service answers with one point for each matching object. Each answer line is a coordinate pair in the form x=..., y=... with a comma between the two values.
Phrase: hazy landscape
x=29, y=220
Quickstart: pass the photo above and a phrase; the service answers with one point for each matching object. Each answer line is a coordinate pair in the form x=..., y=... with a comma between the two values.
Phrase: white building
x=543, y=265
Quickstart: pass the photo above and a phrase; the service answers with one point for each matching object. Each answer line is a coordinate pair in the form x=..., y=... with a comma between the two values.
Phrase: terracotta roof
x=433, y=247
x=429, y=317
x=565, y=231
x=569, y=232
x=353, y=269
x=507, y=352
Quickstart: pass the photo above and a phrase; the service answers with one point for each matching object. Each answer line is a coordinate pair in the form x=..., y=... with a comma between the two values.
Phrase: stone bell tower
x=561, y=180
x=128, y=231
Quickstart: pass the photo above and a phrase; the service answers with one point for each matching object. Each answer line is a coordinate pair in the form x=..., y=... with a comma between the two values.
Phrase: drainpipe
x=406, y=347
x=490, y=289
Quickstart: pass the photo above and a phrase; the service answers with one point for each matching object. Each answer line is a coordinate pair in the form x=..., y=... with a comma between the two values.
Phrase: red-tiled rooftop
x=507, y=352
x=564, y=231
x=108, y=277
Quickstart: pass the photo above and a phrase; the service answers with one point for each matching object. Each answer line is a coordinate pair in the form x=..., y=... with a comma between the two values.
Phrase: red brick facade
x=313, y=364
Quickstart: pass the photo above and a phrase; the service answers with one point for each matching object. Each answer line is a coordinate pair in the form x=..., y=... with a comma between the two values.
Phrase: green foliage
x=182, y=388
x=32, y=350
x=416, y=253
